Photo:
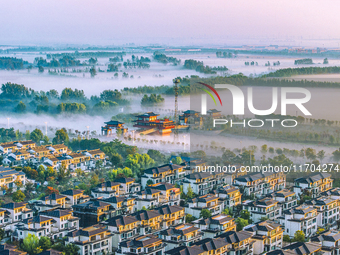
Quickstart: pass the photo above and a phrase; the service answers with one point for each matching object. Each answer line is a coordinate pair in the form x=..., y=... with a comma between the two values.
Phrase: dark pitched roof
x=312, y=178
x=162, y=186
x=108, y=184
x=235, y=237
x=185, y=250
x=331, y=236
x=162, y=169
x=50, y=252
x=198, y=175
x=181, y=230
x=303, y=248
x=216, y=219
x=140, y=241
x=145, y=215
x=14, y=205
x=168, y=209
x=121, y=220
x=36, y=219
x=54, y=197
x=209, y=244
x=91, y=204
x=125, y=180
x=89, y=231
x=253, y=177
x=56, y=213
x=263, y=226
x=72, y=192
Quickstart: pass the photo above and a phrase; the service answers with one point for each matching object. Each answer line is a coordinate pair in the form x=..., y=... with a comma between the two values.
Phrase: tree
x=20, y=108
x=93, y=72
x=241, y=223
x=45, y=243
x=31, y=244
x=286, y=238
x=264, y=149
x=189, y=218
x=149, y=182
x=299, y=236
x=61, y=136
x=177, y=161
x=36, y=135
x=2, y=234
x=41, y=69
x=18, y=196
x=156, y=155
x=116, y=159
x=321, y=155
x=190, y=193
x=205, y=213
x=228, y=155
x=245, y=214
x=71, y=249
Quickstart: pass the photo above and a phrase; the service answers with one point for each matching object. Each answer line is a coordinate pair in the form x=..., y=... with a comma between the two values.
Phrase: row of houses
x=22, y=153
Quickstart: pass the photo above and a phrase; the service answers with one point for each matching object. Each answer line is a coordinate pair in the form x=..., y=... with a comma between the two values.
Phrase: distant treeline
x=12, y=63
x=199, y=67
x=64, y=61
x=225, y=54
x=305, y=61
x=162, y=58
x=137, y=62
x=88, y=54
x=303, y=70
x=20, y=99
x=184, y=87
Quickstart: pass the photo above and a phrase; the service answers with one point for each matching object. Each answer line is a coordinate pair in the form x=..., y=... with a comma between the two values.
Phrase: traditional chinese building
x=112, y=126
x=150, y=124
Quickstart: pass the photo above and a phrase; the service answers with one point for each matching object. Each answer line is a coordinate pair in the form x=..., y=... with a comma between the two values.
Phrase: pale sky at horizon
x=180, y=22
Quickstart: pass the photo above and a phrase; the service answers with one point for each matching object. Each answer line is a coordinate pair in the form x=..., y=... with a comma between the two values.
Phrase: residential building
x=240, y=242
x=150, y=221
x=228, y=195
x=170, y=173
x=74, y=197
x=215, y=225
x=209, y=202
x=142, y=245
x=121, y=205
x=92, y=240
x=313, y=184
x=92, y=212
x=128, y=185
x=286, y=198
x=298, y=248
x=8, y=177
x=268, y=236
x=38, y=226
x=260, y=184
x=330, y=242
x=201, y=183
x=179, y=235
x=122, y=228
x=328, y=210
x=147, y=199
x=302, y=218
x=106, y=189
x=9, y=249
x=63, y=222
x=169, y=194
x=172, y=215
x=263, y=208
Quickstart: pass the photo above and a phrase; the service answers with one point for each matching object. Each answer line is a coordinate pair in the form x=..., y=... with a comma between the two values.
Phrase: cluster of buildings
x=126, y=217
x=22, y=153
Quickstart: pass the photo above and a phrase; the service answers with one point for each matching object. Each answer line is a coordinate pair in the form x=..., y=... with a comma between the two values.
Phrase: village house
x=260, y=184
x=38, y=226
x=286, y=198
x=106, y=190
x=201, y=183
x=142, y=245
x=168, y=193
x=215, y=225
x=91, y=240
x=170, y=173
x=62, y=223
x=268, y=236
x=298, y=248
x=147, y=199
x=172, y=215
x=263, y=208
x=328, y=210
x=329, y=241
x=240, y=242
x=92, y=212
x=128, y=185
x=179, y=235
x=74, y=197
x=313, y=184
x=122, y=228
x=228, y=195
x=300, y=218
x=121, y=205
x=150, y=221
x=8, y=178
x=209, y=202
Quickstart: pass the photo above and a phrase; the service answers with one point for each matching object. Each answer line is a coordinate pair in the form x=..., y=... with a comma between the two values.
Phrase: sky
x=172, y=22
